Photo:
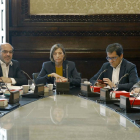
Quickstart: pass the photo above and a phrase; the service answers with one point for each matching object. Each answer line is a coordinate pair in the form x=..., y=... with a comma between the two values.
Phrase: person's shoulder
x=128, y=63
x=70, y=63
x=47, y=63
x=106, y=64
x=14, y=61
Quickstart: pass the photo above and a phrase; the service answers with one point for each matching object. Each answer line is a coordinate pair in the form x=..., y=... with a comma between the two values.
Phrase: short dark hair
x=115, y=47
x=54, y=48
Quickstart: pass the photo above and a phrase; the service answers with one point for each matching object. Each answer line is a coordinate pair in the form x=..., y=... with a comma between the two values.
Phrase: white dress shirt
x=5, y=71
x=115, y=74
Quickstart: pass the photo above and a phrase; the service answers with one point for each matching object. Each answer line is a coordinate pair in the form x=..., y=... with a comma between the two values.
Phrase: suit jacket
x=137, y=85
x=49, y=67
x=126, y=67
x=16, y=73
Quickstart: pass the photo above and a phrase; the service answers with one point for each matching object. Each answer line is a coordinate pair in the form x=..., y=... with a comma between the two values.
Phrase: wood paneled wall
x=85, y=37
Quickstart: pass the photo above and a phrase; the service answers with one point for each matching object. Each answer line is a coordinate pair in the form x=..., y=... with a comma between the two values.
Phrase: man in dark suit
x=116, y=68
x=9, y=68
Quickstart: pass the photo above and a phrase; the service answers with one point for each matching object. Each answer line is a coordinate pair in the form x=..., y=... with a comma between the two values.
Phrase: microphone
x=115, y=88
x=26, y=74
x=67, y=71
x=29, y=77
x=134, y=99
x=99, y=76
x=122, y=77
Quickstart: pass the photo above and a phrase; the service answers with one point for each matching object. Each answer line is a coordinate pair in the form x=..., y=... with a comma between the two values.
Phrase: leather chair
x=34, y=75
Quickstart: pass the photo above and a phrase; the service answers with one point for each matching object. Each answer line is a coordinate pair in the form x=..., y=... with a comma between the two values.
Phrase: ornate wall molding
x=75, y=33
x=26, y=17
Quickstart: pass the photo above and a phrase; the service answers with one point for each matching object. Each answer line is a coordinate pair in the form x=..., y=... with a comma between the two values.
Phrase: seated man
x=9, y=68
x=116, y=68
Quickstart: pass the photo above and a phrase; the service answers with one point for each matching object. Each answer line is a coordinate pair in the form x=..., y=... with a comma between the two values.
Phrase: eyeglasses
x=5, y=52
x=60, y=53
x=112, y=58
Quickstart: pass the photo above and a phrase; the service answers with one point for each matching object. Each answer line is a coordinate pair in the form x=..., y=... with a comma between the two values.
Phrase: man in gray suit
x=116, y=68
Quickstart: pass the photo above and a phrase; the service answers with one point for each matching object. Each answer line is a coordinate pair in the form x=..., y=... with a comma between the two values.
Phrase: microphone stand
x=99, y=76
x=26, y=74
x=115, y=88
x=134, y=99
x=67, y=71
x=29, y=78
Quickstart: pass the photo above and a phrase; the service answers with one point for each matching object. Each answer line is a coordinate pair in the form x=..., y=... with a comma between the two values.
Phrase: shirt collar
x=119, y=65
x=1, y=62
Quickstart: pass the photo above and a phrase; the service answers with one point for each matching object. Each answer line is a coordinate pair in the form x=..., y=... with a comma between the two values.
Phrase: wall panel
x=85, y=37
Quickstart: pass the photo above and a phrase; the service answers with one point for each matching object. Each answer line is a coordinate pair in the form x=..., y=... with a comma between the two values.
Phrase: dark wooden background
x=84, y=37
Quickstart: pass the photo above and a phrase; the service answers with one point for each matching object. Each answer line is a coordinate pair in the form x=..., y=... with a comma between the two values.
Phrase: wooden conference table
x=66, y=117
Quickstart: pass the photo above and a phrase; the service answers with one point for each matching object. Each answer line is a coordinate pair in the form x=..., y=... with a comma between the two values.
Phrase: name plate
x=39, y=89
x=86, y=91
x=104, y=94
x=85, y=88
x=14, y=97
x=62, y=86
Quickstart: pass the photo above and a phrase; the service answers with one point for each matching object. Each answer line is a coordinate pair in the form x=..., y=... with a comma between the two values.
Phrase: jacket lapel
x=64, y=68
x=122, y=69
x=110, y=70
x=11, y=72
x=53, y=67
x=1, y=74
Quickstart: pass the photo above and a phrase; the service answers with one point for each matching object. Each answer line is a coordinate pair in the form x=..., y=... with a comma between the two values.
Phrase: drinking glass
x=30, y=82
x=115, y=88
x=84, y=79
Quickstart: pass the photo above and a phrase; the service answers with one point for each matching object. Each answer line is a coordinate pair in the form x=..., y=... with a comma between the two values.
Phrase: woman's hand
x=58, y=77
x=108, y=82
x=54, y=75
x=62, y=79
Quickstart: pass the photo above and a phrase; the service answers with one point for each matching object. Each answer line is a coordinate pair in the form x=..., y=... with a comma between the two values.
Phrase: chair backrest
x=80, y=74
x=34, y=75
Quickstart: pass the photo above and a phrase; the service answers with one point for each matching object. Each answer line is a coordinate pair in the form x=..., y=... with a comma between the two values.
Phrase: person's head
x=114, y=54
x=6, y=53
x=57, y=114
x=57, y=53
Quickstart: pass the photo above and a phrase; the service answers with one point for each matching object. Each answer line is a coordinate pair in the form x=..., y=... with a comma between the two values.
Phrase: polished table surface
x=66, y=117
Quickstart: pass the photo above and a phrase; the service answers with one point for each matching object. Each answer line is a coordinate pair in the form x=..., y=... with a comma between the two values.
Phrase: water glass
x=30, y=82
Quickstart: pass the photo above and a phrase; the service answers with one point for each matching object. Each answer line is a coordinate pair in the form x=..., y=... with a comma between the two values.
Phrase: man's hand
x=108, y=82
x=5, y=80
x=98, y=84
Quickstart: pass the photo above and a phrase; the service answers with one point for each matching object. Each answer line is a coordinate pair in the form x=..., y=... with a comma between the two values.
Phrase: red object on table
x=119, y=93
x=136, y=102
x=95, y=89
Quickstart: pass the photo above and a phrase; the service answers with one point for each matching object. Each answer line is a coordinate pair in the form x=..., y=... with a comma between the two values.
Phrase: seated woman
x=58, y=68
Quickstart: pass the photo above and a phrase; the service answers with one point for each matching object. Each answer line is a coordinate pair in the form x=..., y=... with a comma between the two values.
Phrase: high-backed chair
x=34, y=75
